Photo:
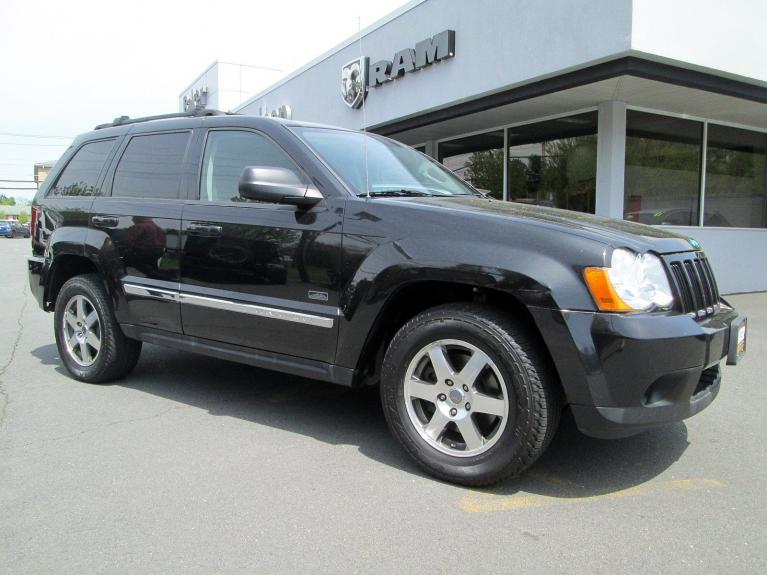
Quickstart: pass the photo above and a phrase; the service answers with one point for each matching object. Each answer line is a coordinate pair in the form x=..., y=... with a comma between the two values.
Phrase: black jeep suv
x=353, y=259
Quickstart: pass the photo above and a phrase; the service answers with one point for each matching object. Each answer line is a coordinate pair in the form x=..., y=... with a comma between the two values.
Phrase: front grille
x=693, y=284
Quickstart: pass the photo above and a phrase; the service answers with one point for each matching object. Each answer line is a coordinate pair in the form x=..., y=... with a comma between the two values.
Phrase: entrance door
x=255, y=274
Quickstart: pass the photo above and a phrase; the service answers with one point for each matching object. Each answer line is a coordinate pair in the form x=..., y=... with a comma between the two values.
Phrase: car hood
x=617, y=233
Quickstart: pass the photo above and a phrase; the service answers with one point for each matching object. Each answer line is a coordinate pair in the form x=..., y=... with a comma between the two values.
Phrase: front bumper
x=623, y=374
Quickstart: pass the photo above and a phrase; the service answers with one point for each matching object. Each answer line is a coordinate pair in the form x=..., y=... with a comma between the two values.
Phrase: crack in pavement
x=97, y=428
x=3, y=392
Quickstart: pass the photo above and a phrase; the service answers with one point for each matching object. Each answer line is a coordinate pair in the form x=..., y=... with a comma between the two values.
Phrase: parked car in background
x=10, y=229
x=676, y=217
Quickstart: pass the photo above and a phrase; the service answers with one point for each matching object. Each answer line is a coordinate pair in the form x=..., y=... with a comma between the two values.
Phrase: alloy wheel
x=456, y=398
x=82, y=330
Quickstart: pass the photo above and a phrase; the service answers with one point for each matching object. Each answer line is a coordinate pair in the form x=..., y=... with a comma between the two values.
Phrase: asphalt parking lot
x=195, y=465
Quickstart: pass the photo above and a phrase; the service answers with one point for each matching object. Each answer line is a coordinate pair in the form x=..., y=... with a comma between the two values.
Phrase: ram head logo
x=354, y=82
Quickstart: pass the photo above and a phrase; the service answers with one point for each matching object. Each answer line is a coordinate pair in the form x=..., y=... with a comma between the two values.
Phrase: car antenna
x=363, y=87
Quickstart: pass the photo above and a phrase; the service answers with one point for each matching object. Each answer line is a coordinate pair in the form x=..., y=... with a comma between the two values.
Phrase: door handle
x=105, y=221
x=205, y=230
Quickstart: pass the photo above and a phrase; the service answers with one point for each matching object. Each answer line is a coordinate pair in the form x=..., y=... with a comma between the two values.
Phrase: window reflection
x=550, y=163
x=554, y=163
x=81, y=174
x=478, y=160
x=736, y=178
x=663, y=160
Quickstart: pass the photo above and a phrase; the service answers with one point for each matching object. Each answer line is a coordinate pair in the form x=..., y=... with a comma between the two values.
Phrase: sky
x=66, y=66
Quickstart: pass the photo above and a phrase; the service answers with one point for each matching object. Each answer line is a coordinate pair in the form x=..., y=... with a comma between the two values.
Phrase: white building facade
x=225, y=85
x=650, y=111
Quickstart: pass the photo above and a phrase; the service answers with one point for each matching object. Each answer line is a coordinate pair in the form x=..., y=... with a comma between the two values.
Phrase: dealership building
x=642, y=110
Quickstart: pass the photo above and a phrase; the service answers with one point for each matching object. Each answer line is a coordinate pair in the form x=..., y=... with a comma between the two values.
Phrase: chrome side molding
x=228, y=305
x=257, y=310
x=146, y=291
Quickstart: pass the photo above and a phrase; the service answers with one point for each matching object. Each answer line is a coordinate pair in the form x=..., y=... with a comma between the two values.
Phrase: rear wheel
x=469, y=393
x=90, y=341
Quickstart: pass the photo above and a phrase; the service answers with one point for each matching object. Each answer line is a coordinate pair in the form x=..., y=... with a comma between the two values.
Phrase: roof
x=187, y=121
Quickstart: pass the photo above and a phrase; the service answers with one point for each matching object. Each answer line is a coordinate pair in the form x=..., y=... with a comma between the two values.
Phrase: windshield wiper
x=401, y=193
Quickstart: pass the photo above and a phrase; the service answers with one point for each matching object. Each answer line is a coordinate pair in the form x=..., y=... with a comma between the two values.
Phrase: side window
x=151, y=166
x=227, y=153
x=81, y=175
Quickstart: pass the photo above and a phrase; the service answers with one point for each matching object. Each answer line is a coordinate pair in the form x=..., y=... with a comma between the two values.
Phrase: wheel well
x=418, y=297
x=65, y=267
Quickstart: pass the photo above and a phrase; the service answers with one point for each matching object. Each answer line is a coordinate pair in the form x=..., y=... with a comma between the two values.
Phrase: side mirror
x=276, y=185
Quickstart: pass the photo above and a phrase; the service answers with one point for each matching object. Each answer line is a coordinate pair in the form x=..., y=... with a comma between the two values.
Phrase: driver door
x=255, y=274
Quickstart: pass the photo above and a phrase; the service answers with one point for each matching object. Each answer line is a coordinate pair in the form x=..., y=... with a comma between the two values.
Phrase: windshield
x=392, y=168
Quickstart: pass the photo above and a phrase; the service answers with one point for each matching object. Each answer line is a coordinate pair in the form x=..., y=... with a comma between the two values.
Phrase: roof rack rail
x=123, y=120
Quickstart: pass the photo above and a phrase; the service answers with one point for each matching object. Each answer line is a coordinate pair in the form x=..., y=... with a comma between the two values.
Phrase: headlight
x=633, y=282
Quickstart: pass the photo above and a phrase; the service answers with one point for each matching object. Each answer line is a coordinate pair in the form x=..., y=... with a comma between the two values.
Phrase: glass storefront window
x=554, y=163
x=663, y=162
x=478, y=160
x=736, y=178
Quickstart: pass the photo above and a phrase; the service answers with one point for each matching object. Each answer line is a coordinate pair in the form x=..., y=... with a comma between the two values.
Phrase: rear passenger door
x=257, y=274
x=137, y=227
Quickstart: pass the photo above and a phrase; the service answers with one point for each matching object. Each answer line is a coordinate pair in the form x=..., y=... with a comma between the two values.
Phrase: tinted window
x=663, y=161
x=227, y=153
x=81, y=175
x=736, y=178
x=151, y=166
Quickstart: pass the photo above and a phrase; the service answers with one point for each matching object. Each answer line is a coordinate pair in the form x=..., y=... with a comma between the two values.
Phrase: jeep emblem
x=354, y=82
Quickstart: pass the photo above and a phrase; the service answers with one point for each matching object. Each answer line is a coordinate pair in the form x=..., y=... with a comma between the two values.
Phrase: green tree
x=7, y=201
x=517, y=179
x=485, y=171
x=23, y=217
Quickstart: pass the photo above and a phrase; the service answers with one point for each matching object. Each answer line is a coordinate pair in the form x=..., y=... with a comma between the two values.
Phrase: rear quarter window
x=80, y=176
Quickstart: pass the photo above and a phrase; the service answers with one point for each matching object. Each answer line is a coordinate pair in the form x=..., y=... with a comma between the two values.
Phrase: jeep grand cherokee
x=351, y=258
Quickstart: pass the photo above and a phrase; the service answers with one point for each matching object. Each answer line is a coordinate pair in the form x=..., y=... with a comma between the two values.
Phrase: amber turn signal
x=603, y=291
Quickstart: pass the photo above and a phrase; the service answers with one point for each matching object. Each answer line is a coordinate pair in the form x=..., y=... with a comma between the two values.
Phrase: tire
x=90, y=341
x=447, y=357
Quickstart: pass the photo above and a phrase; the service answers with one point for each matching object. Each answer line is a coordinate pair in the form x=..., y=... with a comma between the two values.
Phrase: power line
x=35, y=136
x=36, y=145
x=18, y=181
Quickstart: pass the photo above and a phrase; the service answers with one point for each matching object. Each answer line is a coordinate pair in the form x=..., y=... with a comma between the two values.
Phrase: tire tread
x=508, y=333
x=120, y=352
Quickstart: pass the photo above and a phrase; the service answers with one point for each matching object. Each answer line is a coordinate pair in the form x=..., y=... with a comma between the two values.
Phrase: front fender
x=529, y=274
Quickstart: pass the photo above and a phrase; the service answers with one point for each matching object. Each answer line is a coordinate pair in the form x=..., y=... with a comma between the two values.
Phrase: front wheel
x=90, y=341
x=469, y=393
